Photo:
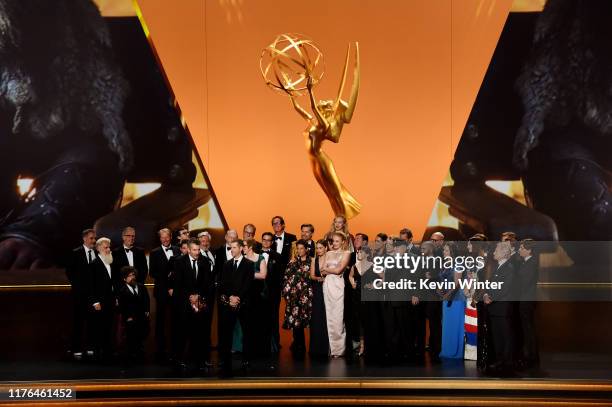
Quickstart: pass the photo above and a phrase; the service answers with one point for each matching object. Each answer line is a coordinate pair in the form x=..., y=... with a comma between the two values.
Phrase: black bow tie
x=168, y=250
x=278, y=238
x=127, y=250
x=228, y=248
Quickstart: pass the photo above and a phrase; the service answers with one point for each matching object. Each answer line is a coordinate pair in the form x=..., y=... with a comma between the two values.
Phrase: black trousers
x=299, y=340
x=484, y=345
x=396, y=330
x=502, y=335
x=195, y=336
x=373, y=330
x=136, y=331
x=260, y=329
x=163, y=312
x=414, y=316
x=102, y=327
x=275, y=300
x=429, y=311
x=80, y=323
x=529, y=354
x=227, y=321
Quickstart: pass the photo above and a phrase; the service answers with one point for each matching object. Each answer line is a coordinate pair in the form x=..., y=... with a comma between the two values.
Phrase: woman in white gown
x=336, y=261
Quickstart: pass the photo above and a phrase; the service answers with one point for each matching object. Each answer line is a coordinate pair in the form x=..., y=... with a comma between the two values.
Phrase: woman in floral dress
x=297, y=292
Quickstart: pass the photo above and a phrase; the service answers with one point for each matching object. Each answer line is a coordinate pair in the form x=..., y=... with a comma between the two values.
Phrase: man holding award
x=193, y=290
x=234, y=285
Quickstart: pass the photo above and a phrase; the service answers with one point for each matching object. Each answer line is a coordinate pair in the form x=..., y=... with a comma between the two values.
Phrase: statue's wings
x=350, y=105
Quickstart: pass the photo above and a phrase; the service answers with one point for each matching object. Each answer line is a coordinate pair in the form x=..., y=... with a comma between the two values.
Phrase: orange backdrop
x=421, y=65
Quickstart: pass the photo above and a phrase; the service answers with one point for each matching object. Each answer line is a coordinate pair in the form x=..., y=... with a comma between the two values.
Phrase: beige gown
x=333, y=293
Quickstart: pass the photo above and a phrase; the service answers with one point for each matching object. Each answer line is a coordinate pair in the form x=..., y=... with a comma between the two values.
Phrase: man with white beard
x=103, y=298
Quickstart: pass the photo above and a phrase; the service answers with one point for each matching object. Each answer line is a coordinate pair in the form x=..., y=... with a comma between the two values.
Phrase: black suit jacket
x=186, y=283
x=286, y=253
x=102, y=287
x=131, y=305
x=213, y=262
x=237, y=282
x=220, y=259
x=140, y=262
x=527, y=279
x=78, y=271
x=274, y=276
x=161, y=269
x=502, y=297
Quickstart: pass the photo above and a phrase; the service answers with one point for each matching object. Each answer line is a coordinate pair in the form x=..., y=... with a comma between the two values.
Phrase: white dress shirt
x=191, y=263
x=134, y=289
x=87, y=251
x=208, y=254
x=129, y=255
x=168, y=253
x=239, y=259
x=279, y=243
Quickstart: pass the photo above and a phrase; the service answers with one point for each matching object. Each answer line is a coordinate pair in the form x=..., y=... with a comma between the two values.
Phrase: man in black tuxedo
x=437, y=238
x=282, y=239
x=205, y=239
x=248, y=233
x=103, y=297
x=160, y=260
x=274, y=280
x=515, y=258
x=527, y=277
x=134, y=306
x=499, y=308
x=406, y=235
x=428, y=307
x=352, y=299
x=128, y=255
x=234, y=286
x=193, y=292
x=397, y=318
x=79, y=275
x=224, y=253
x=182, y=234
x=306, y=232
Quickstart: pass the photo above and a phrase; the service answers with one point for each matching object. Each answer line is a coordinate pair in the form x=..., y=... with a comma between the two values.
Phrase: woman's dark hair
x=479, y=243
x=383, y=236
x=452, y=247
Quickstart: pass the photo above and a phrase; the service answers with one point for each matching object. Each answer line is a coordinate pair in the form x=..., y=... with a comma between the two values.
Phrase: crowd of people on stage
x=321, y=282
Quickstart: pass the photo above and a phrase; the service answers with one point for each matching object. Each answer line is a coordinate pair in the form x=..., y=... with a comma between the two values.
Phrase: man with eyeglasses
x=282, y=239
x=183, y=234
x=129, y=255
x=248, y=233
x=437, y=238
x=223, y=253
x=274, y=280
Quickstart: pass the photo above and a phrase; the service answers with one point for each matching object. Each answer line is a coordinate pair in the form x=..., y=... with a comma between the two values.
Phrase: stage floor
x=559, y=366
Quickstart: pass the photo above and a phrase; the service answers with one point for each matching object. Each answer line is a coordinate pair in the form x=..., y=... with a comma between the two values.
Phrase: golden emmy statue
x=293, y=64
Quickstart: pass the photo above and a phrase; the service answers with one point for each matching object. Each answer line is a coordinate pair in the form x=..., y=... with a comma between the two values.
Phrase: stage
x=576, y=367
x=564, y=379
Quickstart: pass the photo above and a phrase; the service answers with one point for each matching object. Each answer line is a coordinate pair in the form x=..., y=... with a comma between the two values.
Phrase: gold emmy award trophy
x=293, y=64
